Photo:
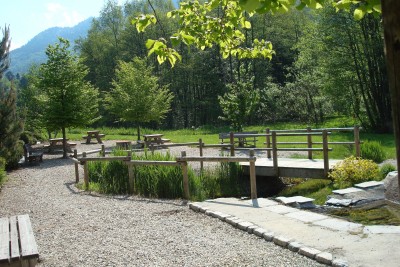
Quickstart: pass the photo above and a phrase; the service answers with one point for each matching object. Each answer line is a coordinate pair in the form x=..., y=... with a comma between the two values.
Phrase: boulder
x=391, y=184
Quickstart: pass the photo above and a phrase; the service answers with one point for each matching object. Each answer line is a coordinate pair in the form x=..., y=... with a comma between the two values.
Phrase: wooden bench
x=17, y=242
x=32, y=154
x=243, y=138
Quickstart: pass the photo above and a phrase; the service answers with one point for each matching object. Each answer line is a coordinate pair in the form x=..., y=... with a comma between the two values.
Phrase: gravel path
x=76, y=228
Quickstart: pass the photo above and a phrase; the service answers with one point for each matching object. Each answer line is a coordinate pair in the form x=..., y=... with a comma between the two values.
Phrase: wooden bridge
x=298, y=168
x=287, y=167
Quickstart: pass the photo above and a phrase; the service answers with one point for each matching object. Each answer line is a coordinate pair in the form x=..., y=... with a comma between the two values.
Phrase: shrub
x=385, y=169
x=373, y=150
x=352, y=170
x=2, y=171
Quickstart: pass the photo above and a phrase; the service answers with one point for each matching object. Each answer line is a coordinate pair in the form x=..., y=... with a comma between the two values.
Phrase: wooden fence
x=180, y=161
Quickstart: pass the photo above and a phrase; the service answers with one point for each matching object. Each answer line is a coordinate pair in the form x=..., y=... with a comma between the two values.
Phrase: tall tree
x=11, y=125
x=136, y=96
x=67, y=99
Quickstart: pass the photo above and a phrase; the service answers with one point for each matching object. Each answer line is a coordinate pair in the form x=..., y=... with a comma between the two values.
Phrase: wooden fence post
x=131, y=175
x=186, y=192
x=232, y=142
x=325, y=151
x=275, y=154
x=103, y=150
x=357, y=140
x=253, y=185
x=268, y=142
x=76, y=167
x=85, y=172
x=309, y=142
x=201, y=154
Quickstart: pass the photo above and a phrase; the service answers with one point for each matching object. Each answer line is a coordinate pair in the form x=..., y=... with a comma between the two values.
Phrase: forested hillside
x=323, y=66
x=34, y=51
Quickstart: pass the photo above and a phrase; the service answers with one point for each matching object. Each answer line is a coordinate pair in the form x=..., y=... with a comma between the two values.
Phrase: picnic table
x=57, y=143
x=154, y=139
x=93, y=134
x=241, y=138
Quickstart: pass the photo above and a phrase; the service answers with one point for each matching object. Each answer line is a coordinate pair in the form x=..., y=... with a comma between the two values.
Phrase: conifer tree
x=11, y=125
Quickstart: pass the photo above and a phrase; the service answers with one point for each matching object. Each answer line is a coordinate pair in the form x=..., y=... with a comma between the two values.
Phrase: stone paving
x=326, y=239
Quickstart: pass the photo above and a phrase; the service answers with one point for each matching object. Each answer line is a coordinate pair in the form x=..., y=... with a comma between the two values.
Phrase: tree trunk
x=391, y=26
x=64, y=143
x=138, y=132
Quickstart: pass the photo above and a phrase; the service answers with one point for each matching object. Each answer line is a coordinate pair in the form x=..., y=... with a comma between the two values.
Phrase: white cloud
x=59, y=15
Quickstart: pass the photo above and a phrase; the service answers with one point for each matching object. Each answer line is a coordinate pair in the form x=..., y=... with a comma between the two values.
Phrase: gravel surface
x=77, y=228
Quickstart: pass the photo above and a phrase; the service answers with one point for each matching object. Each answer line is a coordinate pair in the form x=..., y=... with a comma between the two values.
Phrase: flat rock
x=382, y=229
x=338, y=202
x=346, y=191
x=340, y=225
x=368, y=185
x=306, y=216
x=280, y=209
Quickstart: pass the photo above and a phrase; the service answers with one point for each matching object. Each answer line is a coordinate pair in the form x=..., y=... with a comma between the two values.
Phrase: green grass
x=318, y=189
x=209, y=135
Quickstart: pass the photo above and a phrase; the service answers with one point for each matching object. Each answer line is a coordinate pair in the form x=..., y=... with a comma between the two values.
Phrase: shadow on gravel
x=48, y=163
x=71, y=187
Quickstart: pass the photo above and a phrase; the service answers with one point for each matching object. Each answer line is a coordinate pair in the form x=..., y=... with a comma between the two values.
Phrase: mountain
x=34, y=50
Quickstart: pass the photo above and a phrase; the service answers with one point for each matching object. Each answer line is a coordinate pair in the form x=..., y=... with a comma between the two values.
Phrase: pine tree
x=11, y=125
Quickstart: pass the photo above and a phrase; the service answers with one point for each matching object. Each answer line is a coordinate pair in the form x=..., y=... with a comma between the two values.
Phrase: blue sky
x=27, y=18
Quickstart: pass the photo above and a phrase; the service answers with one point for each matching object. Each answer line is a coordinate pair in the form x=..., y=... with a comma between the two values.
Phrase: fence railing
x=180, y=161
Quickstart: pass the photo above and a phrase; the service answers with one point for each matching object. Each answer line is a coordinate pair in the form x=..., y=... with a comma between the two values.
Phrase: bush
x=385, y=169
x=2, y=171
x=373, y=150
x=352, y=171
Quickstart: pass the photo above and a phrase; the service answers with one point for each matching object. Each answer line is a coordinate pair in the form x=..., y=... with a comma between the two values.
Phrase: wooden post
x=268, y=141
x=85, y=172
x=186, y=193
x=357, y=140
x=201, y=154
x=232, y=142
x=76, y=167
x=275, y=154
x=325, y=151
x=152, y=148
x=253, y=186
x=309, y=142
x=103, y=150
x=131, y=175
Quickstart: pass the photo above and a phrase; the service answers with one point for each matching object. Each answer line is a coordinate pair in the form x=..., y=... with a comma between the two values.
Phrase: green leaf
x=247, y=25
x=359, y=13
x=150, y=43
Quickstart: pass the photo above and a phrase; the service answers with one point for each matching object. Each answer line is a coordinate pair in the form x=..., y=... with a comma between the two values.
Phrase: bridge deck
x=296, y=168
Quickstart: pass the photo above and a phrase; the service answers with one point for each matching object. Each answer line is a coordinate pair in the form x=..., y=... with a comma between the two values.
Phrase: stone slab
x=244, y=225
x=280, y=209
x=295, y=199
x=368, y=185
x=309, y=252
x=306, y=216
x=262, y=202
x=340, y=225
x=382, y=229
x=346, y=191
x=281, y=241
x=339, y=202
x=324, y=257
x=295, y=246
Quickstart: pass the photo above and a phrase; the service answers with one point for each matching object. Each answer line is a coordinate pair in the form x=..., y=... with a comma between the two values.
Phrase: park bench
x=33, y=154
x=17, y=242
x=242, y=139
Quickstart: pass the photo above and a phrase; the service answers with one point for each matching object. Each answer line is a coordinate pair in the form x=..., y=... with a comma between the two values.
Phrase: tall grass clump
x=373, y=150
x=111, y=177
x=385, y=169
x=2, y=171
x=352, y=170
x=222, y=181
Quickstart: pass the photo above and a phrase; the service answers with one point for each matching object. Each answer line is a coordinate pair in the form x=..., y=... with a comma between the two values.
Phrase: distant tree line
x=326, y=64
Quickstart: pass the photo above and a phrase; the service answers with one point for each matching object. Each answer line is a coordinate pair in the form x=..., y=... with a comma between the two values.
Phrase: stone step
x=369, y=185
x=346, y=191
x=297, y=201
